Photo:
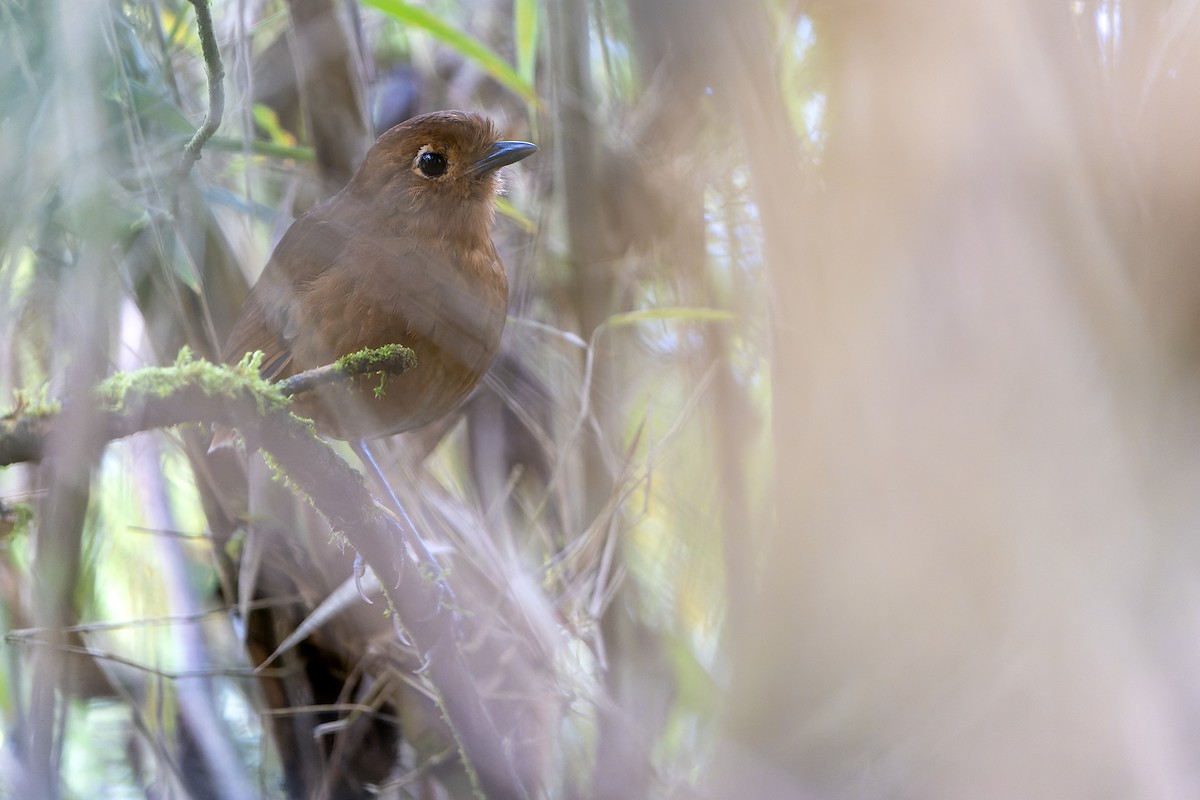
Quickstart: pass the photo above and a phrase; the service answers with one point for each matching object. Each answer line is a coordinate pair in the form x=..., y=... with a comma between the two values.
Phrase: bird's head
x=438, y=168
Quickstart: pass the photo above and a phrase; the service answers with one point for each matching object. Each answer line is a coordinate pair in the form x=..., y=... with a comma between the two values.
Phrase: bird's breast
x=448, y=307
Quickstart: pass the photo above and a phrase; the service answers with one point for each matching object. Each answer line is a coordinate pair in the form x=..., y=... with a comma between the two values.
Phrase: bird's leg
x=422, y=552
x=359, y=446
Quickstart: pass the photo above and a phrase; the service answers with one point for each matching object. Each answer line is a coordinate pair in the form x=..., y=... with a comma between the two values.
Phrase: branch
x=194, y=391
x=391, y=359
x=216, y=92
x=197, y=391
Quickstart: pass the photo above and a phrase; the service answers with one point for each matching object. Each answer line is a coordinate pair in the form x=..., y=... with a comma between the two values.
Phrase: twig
x=390, y=359
x=216, y=92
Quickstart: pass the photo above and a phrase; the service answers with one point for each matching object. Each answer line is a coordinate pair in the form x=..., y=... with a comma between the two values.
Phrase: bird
x=401, y=255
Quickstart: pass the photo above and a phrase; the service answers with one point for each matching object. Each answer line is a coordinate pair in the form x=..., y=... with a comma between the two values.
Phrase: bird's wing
x=260, y=326
x=270, y=317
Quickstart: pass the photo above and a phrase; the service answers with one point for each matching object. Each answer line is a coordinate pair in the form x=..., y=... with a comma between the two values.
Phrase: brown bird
x=402, y=255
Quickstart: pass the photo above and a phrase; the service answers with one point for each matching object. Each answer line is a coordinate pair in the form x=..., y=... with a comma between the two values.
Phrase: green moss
x=364, y=359
x=32, y=403
x=215, y=380
x=280, y=475
x=15, y=519
x=367, y=360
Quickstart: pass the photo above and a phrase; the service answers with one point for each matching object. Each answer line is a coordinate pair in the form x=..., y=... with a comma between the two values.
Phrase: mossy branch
x=190, y=391
x=194, y=391
x=391, y=359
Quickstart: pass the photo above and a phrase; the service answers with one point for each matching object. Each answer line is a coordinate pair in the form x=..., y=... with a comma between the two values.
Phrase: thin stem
x=216, y=92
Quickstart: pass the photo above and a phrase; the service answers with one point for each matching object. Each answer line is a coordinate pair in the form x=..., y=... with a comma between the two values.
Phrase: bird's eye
x=432, y=164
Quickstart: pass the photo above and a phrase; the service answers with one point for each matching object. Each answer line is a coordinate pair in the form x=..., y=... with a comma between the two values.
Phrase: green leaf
x=464, y=43
x=268, y=120
x=183, y=266
x=152, y=105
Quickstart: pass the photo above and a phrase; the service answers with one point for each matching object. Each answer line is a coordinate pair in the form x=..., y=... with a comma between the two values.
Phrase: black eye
x=432, y=164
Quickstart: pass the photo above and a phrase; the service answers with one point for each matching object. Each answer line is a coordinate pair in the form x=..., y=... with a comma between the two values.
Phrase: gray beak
x=502, y=154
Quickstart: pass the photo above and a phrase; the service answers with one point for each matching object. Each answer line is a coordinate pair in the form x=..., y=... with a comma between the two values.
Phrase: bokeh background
x=845, y=440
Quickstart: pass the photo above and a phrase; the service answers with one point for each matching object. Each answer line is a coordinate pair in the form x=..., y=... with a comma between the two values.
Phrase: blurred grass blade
x=506, y=209
x=261, y=148
x=464, y=43
x=345, y=596
x=525, y=34
x=678, y=313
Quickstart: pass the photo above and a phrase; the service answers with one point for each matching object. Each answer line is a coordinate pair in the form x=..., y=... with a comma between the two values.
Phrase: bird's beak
x=502, y=154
